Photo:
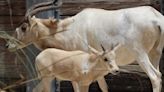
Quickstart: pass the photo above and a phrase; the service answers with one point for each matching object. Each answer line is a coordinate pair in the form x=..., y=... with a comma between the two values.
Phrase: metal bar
x=56, y=83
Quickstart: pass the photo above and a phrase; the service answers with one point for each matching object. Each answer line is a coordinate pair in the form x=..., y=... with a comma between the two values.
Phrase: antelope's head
x=32, y=28
x=107, y=57
x=35, y=29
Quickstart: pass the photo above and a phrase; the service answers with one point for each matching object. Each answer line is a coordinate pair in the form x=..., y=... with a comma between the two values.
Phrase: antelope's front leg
x=47, y=84
x=84, y=88
x=75, y=86
x=102, y=84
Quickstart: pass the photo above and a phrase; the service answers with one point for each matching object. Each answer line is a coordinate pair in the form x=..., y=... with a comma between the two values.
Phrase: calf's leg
x=75, y=86
x=102, y=84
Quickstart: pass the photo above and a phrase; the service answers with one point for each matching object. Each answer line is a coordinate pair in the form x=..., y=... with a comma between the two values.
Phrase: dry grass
x=11, y=41
x=14, y=43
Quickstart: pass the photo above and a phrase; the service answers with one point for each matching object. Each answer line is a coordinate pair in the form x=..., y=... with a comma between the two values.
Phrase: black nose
x=117, y=72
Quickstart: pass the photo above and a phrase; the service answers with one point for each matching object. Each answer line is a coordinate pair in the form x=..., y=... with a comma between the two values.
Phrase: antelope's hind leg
x=151, y=71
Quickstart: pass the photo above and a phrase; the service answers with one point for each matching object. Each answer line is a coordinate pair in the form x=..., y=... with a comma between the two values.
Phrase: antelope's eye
x=23, y=28
x=105, y=59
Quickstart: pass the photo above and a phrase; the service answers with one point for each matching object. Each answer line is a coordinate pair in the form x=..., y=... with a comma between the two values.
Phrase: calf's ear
x=115, y=47
x=93, y=50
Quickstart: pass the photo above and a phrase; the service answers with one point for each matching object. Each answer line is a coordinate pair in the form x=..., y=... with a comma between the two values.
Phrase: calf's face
x=109, y=59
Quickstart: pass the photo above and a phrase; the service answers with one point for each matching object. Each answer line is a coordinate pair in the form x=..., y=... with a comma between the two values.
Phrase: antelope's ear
x=34, y=17
x=115, y=47
x=32, y=20
x=51, y=22
x=93, y=51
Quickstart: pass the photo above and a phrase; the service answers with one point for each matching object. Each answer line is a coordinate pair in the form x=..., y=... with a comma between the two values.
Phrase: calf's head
x=108, y=58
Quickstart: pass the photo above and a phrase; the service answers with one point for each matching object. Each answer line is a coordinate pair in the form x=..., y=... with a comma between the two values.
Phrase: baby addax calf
x=77, y=66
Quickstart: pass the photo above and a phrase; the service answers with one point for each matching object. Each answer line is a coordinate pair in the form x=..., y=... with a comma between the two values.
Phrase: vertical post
x=44, y=14
x=55, y=87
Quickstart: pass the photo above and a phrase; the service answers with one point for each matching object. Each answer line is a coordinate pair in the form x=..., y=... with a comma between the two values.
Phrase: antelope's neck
x=67, y=40
x=100, y=64
x=93, y=60
x=48, y=42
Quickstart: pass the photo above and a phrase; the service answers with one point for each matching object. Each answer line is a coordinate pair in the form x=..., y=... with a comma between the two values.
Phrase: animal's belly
x=87, y=79
x=65, y=75
x=64, y=71
x=124, y=56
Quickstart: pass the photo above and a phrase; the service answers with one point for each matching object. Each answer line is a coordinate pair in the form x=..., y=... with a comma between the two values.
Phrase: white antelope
x=77, y=66
x=140, y=30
